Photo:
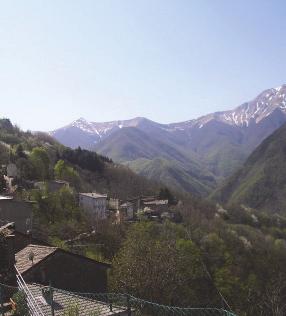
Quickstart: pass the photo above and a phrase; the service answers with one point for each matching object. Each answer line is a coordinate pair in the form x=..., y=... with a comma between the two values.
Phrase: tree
x=64, y=172
x=2, y=182
x=41, y=162
x=165, y=193
x=85, y=159
x=26, y=169
x=159, y=266
x=20, y=152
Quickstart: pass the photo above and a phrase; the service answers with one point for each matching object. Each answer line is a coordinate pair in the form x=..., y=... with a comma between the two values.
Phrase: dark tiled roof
x=63, y=300
x=23, y=263
x=40, y=252
x=94, y=195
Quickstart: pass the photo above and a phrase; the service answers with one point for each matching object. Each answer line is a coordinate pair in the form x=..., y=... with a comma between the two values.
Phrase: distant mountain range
x=193, y=155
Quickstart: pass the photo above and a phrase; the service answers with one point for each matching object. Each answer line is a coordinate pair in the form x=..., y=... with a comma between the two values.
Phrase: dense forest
x=217, y=256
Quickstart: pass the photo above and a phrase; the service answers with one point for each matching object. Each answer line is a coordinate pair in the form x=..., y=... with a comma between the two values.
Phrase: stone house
x=157, y=205
x=94, y=204
x=65, y=270
x=52, y=185
x=153, y=202
x=17, y=211
x=126, y=211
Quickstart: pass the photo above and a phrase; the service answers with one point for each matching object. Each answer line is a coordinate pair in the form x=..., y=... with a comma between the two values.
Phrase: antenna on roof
x=31, y=257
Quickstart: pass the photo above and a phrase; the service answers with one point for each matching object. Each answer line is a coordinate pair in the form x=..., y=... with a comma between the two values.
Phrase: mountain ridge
x=217, y=143
x=241, y=115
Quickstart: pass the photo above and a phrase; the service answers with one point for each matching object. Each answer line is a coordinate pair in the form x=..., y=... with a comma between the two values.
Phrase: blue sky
x=106, y=60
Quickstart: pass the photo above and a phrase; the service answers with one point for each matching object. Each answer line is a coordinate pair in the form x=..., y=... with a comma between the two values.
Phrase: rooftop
x=7, y=229
x=156, y=202
x=60, y=181
x=23, y=263
x=40, y=253
x=3, y=197
x=94, y=195
x=126, y=204
x=64, y=300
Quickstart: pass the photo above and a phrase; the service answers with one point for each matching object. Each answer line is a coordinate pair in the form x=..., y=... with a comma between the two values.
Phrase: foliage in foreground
x=219, y=263
x=19, y=299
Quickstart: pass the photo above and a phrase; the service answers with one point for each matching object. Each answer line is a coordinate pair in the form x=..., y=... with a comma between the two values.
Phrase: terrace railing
x=33, y=306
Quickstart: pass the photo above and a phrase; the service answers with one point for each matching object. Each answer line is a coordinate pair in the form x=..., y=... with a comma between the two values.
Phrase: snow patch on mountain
x=243, y=116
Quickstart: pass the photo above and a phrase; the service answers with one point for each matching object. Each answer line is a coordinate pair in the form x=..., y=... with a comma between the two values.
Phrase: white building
x=94, y=203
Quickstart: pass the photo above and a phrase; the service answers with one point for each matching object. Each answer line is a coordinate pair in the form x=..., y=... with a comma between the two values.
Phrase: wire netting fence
x=54, y=302
x=142, y=307
x=6, y=293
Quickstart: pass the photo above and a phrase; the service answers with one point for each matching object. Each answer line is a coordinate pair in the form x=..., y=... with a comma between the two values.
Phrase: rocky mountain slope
x=201, y=151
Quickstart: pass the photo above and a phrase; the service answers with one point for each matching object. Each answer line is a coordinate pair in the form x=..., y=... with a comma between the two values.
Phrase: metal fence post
x=2, y=300
x=51, y=299
x=128, y=305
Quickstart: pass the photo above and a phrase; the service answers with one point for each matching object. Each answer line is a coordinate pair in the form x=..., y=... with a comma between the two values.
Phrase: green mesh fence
x=6, y=292
x=56, y=302
x=140, y=307
x=124, y=304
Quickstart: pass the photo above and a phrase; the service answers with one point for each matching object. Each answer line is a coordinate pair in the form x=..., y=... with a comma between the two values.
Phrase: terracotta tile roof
x=63, y=300
x=23, y=263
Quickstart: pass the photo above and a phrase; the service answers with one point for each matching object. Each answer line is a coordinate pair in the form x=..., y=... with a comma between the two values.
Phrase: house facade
x=94, y=204
x=127, y=211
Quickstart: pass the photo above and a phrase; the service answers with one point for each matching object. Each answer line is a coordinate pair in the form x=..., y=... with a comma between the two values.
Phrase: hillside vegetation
x=36, y=154
x=232, y=258
x=261, y=182
x=158, y=156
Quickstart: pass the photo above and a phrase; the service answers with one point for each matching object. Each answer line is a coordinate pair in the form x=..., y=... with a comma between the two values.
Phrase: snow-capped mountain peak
x=251, y=112
x=243, y=116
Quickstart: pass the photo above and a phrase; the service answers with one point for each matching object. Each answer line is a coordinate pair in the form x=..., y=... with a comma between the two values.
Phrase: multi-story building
x=94, y=203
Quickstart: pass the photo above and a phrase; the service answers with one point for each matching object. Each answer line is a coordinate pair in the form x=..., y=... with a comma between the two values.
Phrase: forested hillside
x=233, y=258
x=261, y=182
x=39, y=158
x=37, y=154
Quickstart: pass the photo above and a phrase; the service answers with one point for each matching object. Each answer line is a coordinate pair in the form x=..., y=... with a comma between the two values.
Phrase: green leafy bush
x=21, y=304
